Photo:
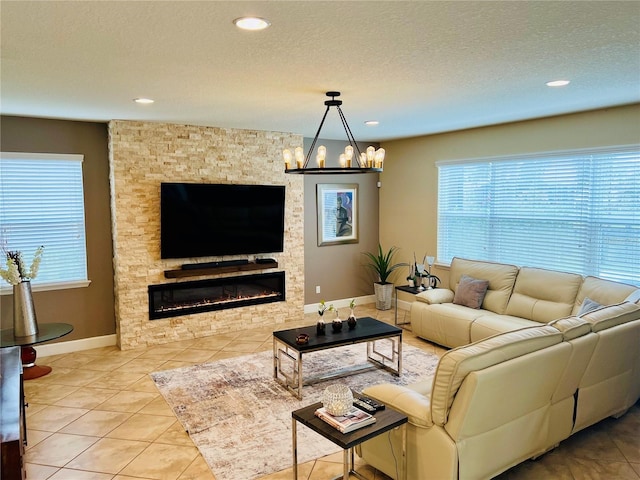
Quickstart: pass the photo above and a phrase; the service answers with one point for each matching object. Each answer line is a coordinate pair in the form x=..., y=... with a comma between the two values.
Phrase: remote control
x=364, y=406
x=367, y=404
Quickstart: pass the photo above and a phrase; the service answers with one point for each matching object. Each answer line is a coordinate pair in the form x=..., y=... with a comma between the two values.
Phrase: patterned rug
x=239, y=417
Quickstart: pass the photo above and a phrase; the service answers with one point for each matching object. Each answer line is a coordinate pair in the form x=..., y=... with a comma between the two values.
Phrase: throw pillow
x=587, y=306
x=634, y=297
x=470, y=292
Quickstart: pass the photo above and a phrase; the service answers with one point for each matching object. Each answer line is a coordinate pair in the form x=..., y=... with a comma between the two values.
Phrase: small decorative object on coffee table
x=337, y=399
x=320, y=326
x=352, y=321
x=336, y=325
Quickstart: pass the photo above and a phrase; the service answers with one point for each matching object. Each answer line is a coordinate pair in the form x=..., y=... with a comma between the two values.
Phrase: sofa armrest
x=414, y=405
x=437, y=295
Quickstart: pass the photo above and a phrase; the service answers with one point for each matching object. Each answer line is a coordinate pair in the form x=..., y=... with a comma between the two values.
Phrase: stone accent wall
x=141, y=156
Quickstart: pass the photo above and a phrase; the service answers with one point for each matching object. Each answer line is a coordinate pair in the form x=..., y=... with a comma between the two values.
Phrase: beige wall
x=90, y=310
x=408, y=197
x=338, y=269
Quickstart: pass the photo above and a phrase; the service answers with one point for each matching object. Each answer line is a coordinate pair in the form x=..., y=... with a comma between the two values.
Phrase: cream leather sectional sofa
x=518, y=393
x=516, y=297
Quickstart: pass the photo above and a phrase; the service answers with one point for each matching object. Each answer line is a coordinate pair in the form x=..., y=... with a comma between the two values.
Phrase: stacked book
x=350, y=421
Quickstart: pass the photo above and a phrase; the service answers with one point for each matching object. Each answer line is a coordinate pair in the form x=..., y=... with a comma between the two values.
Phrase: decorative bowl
x=302, y=339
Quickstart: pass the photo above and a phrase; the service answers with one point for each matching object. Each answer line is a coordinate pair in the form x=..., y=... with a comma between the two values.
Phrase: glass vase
x=336, y=325
x=352, y=321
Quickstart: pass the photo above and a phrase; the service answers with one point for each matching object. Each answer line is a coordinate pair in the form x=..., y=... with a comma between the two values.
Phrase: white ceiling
x=419, y=67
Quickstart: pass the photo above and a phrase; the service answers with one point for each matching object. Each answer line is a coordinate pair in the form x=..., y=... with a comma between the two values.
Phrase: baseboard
x=344, y=303
x=340, y=303
x=75, y=345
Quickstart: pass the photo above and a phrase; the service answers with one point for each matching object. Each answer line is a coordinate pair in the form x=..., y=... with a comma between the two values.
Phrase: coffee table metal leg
x=395, y=359
x=275, y=358
x=294, y=381
x=299, y=364
x=294, y=434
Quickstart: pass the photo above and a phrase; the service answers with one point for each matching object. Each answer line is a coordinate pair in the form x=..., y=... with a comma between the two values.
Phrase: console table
x=46, y=332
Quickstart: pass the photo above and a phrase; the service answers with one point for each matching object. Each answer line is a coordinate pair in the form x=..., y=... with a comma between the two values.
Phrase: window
x=575, y=211
x=42, y=203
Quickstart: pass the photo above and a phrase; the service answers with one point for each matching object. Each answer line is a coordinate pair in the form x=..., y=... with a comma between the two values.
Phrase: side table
x=46, y=332
x=386, y=420
x=406, y=289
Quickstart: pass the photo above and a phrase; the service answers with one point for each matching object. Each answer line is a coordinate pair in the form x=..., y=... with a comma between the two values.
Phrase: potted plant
x=382, y=264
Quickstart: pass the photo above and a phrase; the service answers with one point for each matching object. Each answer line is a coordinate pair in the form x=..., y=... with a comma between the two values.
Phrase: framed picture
x=337, y=206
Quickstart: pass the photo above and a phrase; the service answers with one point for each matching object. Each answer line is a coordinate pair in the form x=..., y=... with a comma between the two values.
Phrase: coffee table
x=386, y=420
x=369, y=330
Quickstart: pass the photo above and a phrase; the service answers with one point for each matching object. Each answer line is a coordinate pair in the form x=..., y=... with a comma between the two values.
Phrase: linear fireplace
x=185, y=298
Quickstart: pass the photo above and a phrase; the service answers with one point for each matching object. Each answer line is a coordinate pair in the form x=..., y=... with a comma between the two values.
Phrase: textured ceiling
x=418, y=67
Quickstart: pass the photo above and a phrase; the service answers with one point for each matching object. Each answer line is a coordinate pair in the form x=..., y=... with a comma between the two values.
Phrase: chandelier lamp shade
x=351, y=161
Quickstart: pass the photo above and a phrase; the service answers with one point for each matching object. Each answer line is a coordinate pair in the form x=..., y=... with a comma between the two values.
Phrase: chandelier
x=351, y=161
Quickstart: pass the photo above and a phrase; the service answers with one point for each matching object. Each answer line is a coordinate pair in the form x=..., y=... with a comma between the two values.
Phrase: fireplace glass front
x=185, y=298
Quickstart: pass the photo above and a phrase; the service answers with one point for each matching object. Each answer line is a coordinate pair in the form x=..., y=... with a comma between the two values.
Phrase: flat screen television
x=202, y=220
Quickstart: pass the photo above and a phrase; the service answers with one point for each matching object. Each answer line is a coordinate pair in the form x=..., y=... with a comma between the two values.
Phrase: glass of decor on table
x=337, y=399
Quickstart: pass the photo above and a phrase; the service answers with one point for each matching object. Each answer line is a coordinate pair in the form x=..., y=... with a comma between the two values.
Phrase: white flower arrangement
x=16, y=271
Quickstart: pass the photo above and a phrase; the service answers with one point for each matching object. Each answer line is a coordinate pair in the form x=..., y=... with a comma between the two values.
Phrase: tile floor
x=99, y=416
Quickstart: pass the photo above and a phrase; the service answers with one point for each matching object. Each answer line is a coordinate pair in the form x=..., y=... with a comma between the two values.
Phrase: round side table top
x=46, y=332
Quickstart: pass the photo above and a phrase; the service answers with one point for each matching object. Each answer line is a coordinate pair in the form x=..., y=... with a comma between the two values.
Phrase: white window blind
x=573, y=211
x=42, y=203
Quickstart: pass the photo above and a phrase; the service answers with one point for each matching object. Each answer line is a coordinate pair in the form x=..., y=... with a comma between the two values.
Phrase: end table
x=46, y=332
x=386, y=420
x=406, y=289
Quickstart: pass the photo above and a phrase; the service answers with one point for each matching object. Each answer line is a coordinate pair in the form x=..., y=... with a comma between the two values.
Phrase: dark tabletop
x=46, y=332
x=366, y=329
x=386, y=419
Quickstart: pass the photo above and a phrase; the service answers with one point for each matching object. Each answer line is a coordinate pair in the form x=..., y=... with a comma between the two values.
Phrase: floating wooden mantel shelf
x=196, y=272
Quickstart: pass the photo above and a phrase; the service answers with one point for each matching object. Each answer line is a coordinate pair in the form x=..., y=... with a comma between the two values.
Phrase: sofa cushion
x=436, y=295
x=571, y=327
x=605, y=292
x=491, y=324
x=470, y=292
x=612, y=315
x=543, y=295
x=443, y=323
x=456, y=364
x=501, y=279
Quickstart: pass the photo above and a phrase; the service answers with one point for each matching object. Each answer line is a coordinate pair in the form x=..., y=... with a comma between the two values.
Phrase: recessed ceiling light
x=371, y=123
x=558, y=83
x=251, y=23
x=144, y=101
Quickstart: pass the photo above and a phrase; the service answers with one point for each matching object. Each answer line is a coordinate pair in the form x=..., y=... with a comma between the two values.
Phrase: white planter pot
x=383, y=292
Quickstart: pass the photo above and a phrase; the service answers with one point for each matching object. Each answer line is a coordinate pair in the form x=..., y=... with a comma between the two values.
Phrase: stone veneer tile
x=144, y=154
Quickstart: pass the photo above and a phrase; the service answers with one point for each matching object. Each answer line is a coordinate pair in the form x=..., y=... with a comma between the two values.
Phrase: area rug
x=239, y=417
